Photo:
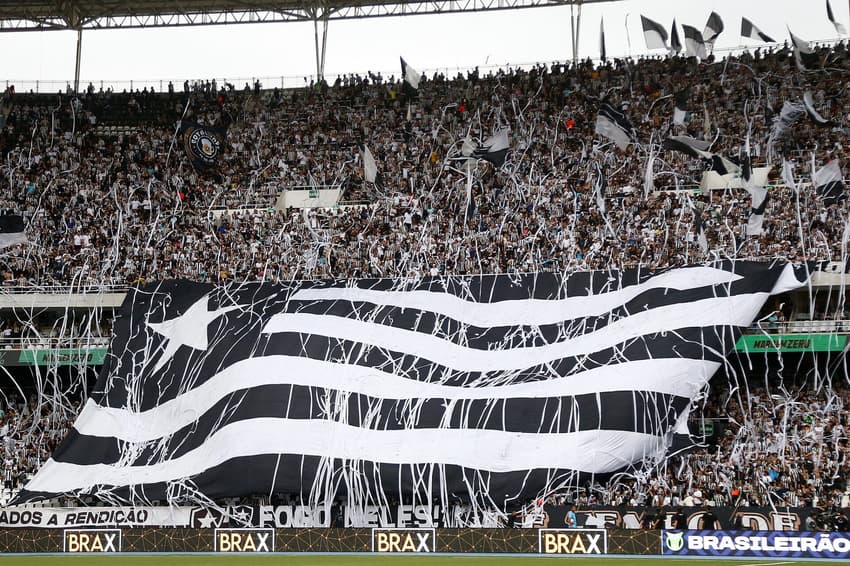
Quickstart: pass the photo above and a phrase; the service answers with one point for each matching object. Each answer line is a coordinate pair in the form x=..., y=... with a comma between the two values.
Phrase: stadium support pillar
x=321, y=47
x=77, y=66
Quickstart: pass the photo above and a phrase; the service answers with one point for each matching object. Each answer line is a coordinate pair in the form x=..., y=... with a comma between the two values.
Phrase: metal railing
x=64, y=289
x=800, y=327
x=48, y=343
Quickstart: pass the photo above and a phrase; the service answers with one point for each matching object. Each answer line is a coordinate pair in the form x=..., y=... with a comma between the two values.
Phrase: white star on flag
x=189, y=329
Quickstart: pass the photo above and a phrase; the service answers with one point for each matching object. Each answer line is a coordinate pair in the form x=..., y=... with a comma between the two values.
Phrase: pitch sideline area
x=369, y=559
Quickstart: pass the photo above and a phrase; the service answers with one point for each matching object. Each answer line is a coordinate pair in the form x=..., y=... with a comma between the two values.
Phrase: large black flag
x=492, y=388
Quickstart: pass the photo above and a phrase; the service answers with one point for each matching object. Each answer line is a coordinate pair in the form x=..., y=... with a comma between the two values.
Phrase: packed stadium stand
x=110, y=201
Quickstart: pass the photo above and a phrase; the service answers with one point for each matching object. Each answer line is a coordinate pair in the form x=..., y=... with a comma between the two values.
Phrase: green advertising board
x=757, y=343
x=62, y=357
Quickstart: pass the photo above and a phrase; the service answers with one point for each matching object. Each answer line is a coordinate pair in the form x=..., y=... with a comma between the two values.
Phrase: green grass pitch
x=370, y=560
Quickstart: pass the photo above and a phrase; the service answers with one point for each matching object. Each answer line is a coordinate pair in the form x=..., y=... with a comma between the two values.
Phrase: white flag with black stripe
x=694, y=43
x=829, y=182
x=370, y=167
x=492, y=388
x=804, y=56
x=750, y=31
x=654, y=34
x=713, y=29
x=809, y=104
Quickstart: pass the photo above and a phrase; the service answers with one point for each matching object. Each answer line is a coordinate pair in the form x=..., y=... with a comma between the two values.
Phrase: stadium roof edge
x=43, y=15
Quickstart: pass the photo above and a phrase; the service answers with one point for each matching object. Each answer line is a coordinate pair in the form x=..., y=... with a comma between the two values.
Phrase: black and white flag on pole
x=713, y=29
x=750, y=31
x=603, y=56
x=654, y=34
x=370, y=167
x=494, y=149
x=613, y=124
x=755, y=224
x=788, y=116
x=830, y=183
x=694, y=43
x=689, y=146
x=702, y=237
x=839, y=27
x=809, y=104
x=410, y=79
x=723, y=166
x=804, y=56
x=490, y=388
x=758, y=194
x=680, y=109
x=675, y=42
x=788, y=175
x=12, y=230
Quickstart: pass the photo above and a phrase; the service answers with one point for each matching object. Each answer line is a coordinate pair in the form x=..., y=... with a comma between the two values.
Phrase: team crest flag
x=203, y=144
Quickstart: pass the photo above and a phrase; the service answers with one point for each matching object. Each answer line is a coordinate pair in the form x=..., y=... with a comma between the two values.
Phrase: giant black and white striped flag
x=490, y=387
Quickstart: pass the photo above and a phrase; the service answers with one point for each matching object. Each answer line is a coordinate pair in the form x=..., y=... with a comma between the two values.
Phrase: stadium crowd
x=108, y=196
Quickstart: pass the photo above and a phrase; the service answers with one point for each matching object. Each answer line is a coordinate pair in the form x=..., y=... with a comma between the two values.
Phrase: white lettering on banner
x=755, y=543
x=283, y=516
x=244, y=540
x=403, y=540
x=572, y=541
x=91, y=540
x=49, y=517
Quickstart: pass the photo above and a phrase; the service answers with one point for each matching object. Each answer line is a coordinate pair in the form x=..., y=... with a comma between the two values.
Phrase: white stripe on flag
x=682, y=377
x=721, y=311
x=596, y=451
x=533, y=312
